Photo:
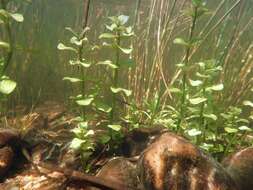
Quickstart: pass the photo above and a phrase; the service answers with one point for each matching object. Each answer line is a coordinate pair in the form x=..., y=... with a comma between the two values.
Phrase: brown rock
x=6, y=159
x=173, y=163
x=240, y=167
x=121, y=171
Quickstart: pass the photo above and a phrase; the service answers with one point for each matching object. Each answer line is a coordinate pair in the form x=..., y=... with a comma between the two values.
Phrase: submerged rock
x=6, y=159
x=240, y=166
x=121, y=171
x=173, y=163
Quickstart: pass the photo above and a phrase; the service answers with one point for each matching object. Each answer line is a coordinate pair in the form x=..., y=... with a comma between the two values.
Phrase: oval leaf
x=17, y=17
x=84, y=102
x=72, y=79
x=196, y=101
x=7, y=86
x=248, y=103
x=115, y=127
x=194, y=132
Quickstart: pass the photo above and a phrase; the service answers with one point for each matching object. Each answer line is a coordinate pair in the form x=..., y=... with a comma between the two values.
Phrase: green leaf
x=123, y=19
x=89, y=133
x=195, y=83
x=194, y=132
x=107, y=36
x=4, y=45
x=125, y=50
x=84, y=102
x=108, y=63
x=103, y=107
x=180, y=41
x=231, y=130
x=76, y=41
x=202, y=75
x=245, y=128
x=76, y=143
x=175, y=90
x=217, y=87
x=61, y=46
x=210, y=116
x=7, y=86
x=83, y=125
x=17, y=17
x=206, y=146
x=196, y=101
x=248, y=103
x=81, y=63
x=118, y=90
x=115, y=127
x=71, y=79
x=111, y=27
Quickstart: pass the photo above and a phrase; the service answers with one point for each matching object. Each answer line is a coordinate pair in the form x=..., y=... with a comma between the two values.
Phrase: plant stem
x=115, y=76
x=186, y=62
x=80, y=52
x=202, y=119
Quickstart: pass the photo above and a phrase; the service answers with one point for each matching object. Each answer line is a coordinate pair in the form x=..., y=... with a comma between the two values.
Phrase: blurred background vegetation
x=38, y=67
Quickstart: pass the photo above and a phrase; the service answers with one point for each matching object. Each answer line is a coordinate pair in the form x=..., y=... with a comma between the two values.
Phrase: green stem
x=80, y=52
x=186, y=62
x=115, y=77
x=202, y=119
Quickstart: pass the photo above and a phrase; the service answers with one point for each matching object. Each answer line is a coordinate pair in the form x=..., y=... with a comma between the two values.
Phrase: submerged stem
x=115, y=76
x=186, y=62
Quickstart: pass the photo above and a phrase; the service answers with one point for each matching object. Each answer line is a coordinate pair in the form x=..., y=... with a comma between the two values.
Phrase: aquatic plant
x=7, y=86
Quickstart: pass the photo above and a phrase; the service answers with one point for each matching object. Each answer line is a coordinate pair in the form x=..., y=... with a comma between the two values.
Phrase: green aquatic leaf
x=103, y=107
x=248, y=103
x=4, y=45
x=108, y=63
x=196, y=83
x=245, y=128
x=76, y=143
x=126, y=50
x=61, y=46
x=231, y=130
x=7, y=86
x=80, y=63
x=123, y=19
x=115, y=127
x=174, y=90
x=71, y=79
x=118, y=90
x=180, y=41
x=196, y=101
x=85, y=102
x=194, y=132
x=107, y=36
x=210, y=116
x=17, y=17
x=217, y=87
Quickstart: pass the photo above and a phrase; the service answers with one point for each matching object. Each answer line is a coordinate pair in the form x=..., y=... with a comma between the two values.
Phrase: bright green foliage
x=89, y=96
x=7, y=86
x=85, y=98
x=116, y=35
x=195, y=111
